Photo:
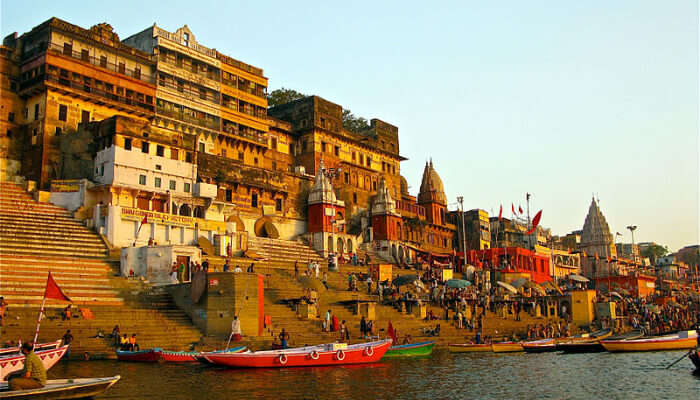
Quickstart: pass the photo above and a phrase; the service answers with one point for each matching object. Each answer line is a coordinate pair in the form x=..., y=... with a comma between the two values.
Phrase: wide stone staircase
x=36, y=238
x=273, y=250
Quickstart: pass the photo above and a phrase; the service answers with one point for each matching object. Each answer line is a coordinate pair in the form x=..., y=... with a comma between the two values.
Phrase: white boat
x=12, y=363
x=62, y=389
x=5, y=351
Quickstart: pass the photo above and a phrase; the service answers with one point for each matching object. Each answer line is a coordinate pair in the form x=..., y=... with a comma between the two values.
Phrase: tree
x=283, y=96
x=353, y=123
x=654, y=251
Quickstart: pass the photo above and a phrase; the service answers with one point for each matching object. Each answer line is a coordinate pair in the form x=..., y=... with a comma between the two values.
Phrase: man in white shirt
x=236, y=329
x=238, y=269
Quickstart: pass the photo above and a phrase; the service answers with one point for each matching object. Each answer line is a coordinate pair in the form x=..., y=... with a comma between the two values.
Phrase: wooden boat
x=191, y=356
x=49, y=358
x=468, y=347
x=507, y=347
x=677, y=341
x=594, y=346
x=41, y=346
x=62, y=389
x=540, y=346
x=325, y=354
x=411, y=350
x=150, y=355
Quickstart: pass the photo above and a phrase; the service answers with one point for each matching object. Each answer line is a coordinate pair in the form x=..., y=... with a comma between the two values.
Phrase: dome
x=431, y=188
x=404, y=186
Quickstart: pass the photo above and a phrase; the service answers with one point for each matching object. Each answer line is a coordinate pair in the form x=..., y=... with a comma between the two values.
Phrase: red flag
x=500, y=213
x=512, y=208
x=144, y=220
x=535, y=222
x=520, y=209
x=391, y=333
x=53, y=291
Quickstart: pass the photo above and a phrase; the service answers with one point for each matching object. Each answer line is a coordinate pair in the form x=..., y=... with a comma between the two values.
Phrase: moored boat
x=326, y=354
x=191, y=356
x=411, y=350
x=507, y=347
x=695, y=358
x=62, y=389
x=540, y=346
x=677, y=341
x=594, y=346
x=150, y=355
x=469, y=347
x=39, y=347
x=49, y=358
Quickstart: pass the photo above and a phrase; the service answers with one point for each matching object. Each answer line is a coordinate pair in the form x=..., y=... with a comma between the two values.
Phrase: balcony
x=58, y=49
x=254, y=136
x=410, y=208
x=190, y=94
x=178, y=115
x=94, y=94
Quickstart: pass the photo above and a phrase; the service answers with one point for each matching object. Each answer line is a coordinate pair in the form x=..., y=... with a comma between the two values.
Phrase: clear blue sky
x=561, y=99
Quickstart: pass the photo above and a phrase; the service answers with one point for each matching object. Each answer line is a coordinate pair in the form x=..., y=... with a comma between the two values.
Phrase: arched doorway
x=185, y=210
x=349, y=247
x=265, y=228
x=401, y=254
x=199, y=212
x=330, y=244
x=341, y=246
x=174, y=209
x=237, y=222
x=393, y=251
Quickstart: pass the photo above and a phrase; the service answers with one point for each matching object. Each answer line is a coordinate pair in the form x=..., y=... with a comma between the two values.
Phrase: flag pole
x=38, y=322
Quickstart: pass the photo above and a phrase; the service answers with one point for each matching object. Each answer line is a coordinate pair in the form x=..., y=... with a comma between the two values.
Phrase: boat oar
x=675, y=362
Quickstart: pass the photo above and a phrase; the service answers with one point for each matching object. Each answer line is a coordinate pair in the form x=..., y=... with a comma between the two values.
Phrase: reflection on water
x=444, y=375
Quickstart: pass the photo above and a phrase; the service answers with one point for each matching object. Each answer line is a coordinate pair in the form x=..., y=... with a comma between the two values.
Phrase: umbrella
x=578, y=278
x=518, y=283
x=618, y=295
x=404, y=279
x=458, y=283
x=311, y=283
x=536, y=287
x=507, y=287
x=419, y=284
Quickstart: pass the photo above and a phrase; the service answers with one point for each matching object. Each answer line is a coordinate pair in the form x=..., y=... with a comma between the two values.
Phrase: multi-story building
x=10, y=111
x=68, y=75
x=476, y=226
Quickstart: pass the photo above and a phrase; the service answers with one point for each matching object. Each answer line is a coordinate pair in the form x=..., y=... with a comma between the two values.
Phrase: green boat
x=411, y=350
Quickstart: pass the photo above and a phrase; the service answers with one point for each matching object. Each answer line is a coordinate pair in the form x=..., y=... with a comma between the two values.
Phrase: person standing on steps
x=325, y=279
x=67, y=339
x=327, y=324
x=236, y=329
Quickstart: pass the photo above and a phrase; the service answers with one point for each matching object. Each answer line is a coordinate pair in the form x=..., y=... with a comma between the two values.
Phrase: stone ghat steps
x=56, y=222
x=275, y=249
x=39, y=241
x=12, y=201
x=40, y=260
x=56, y=250
x=18, y=210
x=41, y=231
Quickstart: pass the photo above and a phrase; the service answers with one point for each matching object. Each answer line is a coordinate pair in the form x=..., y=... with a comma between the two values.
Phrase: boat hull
x=695, y=358
x=48, y=358
x=39, y=347
x=507, y=347
x=150, y=355
x=411, y=350
x=469, y=348
x=649, y=345
x=540, y=346
x=191, y=356
x=63, y=389
x=581, y=347
x=308, y=357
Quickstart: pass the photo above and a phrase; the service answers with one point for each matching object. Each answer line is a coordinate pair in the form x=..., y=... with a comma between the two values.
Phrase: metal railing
x=188, y=118
x=189, y=92
x=93, y=91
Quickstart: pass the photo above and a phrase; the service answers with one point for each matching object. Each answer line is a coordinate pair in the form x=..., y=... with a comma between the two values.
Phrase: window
x=346, y=178
x=137, y=72
x=255, y=161
x=278, y=205
x=85, y=116
x=9, y=133
x=229, y=195
x=58, y=131
x=188, y=158
x=369, y=161
x=374, y=186
x=173, y=185
x=103, y=61
x=180, y=86
x=337, y=151
x=186, y=37
x=36, y=112
x=102, y=170
x=144, y=147
x=25, y=113
x=142, y=179
x=292, y=149
x=62, y=112
x=84, y=55
x=157, y=182
x=67, y=49
x=273, y=143
x=34, y=132
x=159, y=167
x=187, y=188
x=254, y=200
x=173, y=154
x=274, y=165
x=354, y=198
x=323, y=147
x=240, y=156
x=122, y=68
x=223, y=152
x=202, y=147
x=160, y=150
x=354, y=156
x=127, y=144
x=11, y=116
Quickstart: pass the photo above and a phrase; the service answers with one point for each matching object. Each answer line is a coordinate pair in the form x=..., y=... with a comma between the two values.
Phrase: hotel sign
x=135, y=214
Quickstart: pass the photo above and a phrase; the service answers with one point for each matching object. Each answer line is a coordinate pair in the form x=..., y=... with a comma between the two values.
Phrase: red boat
x=12, y=363
x=39, y=347
x=150, y=355
x=325, y=354
x=192, y=356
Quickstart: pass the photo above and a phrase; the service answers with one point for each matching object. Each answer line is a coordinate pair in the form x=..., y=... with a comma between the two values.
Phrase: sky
x=564, y=100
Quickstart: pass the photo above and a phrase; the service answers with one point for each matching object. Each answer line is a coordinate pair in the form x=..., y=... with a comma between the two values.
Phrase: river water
x=442, y=376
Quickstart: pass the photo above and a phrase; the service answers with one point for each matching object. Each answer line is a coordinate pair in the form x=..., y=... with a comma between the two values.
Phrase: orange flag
x=53, y=291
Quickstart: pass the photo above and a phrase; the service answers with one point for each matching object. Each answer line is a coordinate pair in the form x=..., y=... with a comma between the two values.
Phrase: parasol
x=507, y=287
x=578, y=278
x=518, y=283
x=404, y=279
x=458, y=283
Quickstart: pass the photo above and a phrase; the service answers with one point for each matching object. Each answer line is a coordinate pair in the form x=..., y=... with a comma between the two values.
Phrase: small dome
x=404, y=186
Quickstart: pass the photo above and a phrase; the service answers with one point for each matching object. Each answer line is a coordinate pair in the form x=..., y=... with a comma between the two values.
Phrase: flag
x=500, y=213
x=392, y=333
x=535, y=222
x=512, y=208
x=520, y=209
x=53, y=291
x=144, y=220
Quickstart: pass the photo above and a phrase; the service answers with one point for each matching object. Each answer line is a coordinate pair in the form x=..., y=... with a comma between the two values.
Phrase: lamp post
x=633, y=228
x=460, y=199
